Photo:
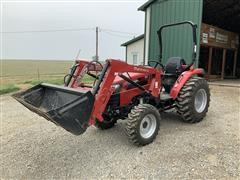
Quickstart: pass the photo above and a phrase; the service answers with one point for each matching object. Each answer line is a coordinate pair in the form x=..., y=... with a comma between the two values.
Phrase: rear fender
x=182, y=79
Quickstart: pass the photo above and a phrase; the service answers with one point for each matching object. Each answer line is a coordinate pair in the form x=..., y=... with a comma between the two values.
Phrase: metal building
x=178, y=40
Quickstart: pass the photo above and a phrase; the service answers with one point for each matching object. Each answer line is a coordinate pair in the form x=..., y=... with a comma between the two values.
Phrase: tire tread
x=133, y=121
x=185, y=100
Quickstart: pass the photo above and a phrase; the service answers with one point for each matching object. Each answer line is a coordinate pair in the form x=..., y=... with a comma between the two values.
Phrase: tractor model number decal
x=140, y=69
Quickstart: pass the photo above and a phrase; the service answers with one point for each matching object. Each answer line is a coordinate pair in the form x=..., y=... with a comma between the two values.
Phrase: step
x=165, y=97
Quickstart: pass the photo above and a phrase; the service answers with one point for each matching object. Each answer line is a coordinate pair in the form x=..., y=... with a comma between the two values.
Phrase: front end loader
x=119, y=90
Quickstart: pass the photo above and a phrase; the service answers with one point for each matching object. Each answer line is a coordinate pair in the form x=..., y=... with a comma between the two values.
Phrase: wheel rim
x=148, y=126
x=200, y=100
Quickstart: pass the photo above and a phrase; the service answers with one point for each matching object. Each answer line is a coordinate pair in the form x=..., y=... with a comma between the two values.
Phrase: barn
x=218, y=23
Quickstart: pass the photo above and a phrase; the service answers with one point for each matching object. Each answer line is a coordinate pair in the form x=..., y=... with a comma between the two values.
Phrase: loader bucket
x=66, y=107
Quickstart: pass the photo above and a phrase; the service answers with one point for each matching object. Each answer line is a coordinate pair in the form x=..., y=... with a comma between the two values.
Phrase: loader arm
x=75, y=106
x=104, y=89
x=80, y=64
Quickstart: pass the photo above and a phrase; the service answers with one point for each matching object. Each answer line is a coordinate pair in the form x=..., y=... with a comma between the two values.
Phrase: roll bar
x=194, y=30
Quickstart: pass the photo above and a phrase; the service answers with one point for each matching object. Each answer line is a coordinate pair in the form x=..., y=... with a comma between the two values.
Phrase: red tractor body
x=121, y=91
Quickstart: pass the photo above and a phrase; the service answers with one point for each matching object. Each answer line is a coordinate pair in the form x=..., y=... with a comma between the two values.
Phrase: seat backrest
x=174, y=65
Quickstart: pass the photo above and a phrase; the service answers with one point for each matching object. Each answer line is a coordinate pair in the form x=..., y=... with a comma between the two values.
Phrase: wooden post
x=235, y=63
x=210, y=61
x=223, y=63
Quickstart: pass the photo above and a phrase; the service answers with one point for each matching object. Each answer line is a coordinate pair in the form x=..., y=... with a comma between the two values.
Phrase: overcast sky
x=36, y=16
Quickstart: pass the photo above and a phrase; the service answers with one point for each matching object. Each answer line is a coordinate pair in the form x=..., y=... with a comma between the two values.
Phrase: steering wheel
x=156, y=64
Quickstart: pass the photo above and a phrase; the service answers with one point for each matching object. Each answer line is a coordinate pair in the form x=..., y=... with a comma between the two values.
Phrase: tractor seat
x=174, y=66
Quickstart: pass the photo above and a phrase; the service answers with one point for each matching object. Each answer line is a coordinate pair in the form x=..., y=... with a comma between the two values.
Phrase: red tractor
x=122, y=91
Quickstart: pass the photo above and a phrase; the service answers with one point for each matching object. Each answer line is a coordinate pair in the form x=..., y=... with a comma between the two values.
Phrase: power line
x=67, y=30
x=71, y=1
x=121, y=32
x=46, y=31
x=116, y=35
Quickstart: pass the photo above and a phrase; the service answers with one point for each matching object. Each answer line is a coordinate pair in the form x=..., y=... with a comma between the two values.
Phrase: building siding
x=177, y=41
x=135, y=48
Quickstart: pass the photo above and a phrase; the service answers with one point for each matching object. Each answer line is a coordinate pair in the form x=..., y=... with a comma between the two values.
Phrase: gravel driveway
x=33, y=148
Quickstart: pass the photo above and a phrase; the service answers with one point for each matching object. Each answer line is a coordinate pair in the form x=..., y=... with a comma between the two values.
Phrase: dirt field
x=32, y=148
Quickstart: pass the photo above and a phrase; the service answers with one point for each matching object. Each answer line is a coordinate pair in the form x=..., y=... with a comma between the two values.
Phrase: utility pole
x=97, y=43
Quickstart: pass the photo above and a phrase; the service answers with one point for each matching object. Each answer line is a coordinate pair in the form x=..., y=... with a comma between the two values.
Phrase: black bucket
x=66, y=107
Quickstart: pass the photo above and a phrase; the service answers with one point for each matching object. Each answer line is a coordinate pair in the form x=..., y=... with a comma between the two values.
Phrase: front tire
x=193, y=100
x=143, y=124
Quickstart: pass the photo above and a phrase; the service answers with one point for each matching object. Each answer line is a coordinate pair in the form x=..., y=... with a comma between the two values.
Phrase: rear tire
x=193, y=100
x=105, y=124
x=143, y=124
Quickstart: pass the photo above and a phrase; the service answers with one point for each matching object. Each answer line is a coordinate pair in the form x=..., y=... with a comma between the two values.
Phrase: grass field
x=20, y=74
x=32, y=67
